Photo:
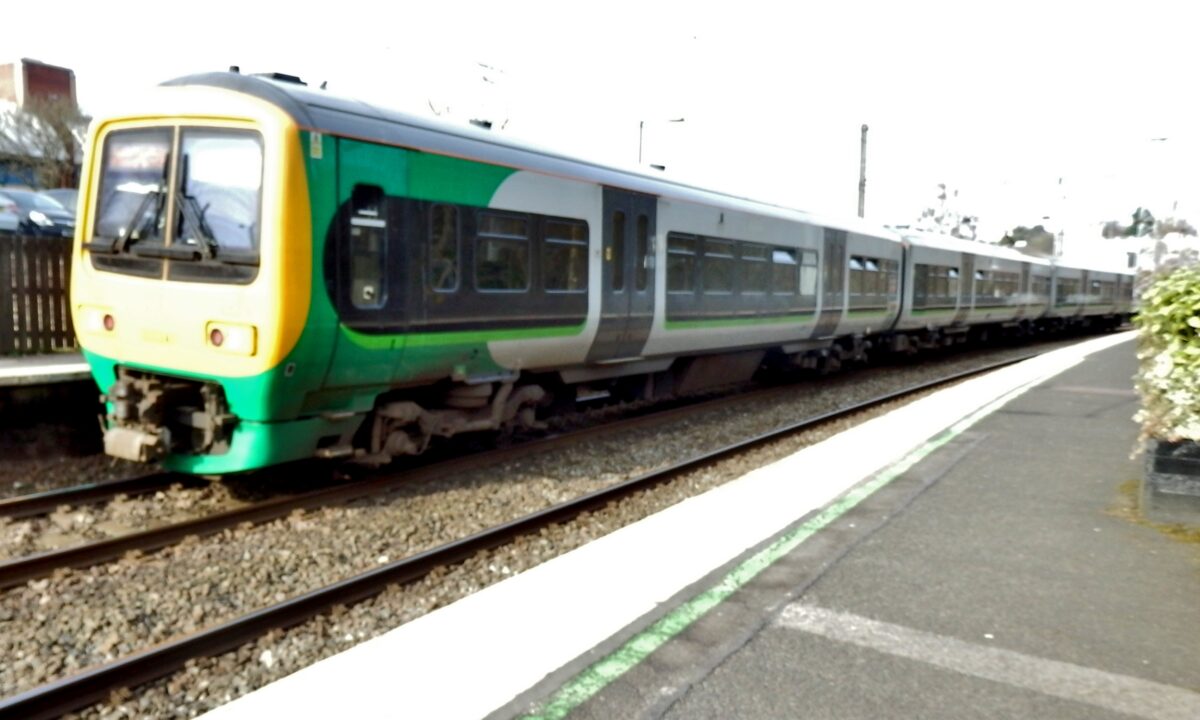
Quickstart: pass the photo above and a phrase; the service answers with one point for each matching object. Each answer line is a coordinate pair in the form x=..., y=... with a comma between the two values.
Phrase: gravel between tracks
x=54, y=626
x=22, y=473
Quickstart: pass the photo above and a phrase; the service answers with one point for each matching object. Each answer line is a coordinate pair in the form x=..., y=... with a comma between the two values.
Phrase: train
x=266, y=272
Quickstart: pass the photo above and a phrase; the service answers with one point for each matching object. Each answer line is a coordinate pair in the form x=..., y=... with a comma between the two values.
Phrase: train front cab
x=192, y=278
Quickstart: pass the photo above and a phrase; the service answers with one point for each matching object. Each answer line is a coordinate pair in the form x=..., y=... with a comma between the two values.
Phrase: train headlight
x=39, y=218
x=98, y=321
x=233, y=338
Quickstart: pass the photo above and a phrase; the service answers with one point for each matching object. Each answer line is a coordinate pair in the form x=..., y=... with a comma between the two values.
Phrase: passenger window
x=856, y=275
x=808, y=274
x=643, y=253
x=443, y=248
x=502, y=253
x=755, y=269
x=718, y=266
x=618, y=251
x=564, y=256
x=368, y=247
x=783, y=271
x=681, y=263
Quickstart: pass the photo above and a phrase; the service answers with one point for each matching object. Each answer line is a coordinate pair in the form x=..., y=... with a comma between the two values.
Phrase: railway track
x=23, y=569
x=18, y=570
x=79, y=690
x=40, y=503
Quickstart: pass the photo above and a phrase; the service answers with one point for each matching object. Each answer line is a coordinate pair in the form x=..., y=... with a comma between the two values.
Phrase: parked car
x=40, y=214
x=67, y=197
x=10, y=214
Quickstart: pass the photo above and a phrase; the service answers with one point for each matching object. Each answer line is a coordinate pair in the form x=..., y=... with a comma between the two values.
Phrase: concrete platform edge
x=555, y=613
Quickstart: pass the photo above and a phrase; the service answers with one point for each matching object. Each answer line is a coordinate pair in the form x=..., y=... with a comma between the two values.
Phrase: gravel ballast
x=55, y=626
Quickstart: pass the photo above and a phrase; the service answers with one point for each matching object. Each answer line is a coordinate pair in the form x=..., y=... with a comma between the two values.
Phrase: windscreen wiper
x=122, y=242
x=193, y=216
x=125, y=239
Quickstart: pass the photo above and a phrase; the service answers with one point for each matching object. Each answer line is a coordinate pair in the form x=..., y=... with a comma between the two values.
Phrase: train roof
x=326, y=112
x=946, y=242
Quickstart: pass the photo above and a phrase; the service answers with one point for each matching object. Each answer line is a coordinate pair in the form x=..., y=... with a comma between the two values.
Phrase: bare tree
x=45, y=136
x=945, y=218
x=1036, y=240
x=1143, y=223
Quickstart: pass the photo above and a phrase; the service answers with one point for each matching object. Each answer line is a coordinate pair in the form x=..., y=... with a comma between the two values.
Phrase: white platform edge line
x=1109, y=691
x=34, y=371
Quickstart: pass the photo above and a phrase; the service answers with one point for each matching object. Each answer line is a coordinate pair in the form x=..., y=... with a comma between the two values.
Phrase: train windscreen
x=186, y=197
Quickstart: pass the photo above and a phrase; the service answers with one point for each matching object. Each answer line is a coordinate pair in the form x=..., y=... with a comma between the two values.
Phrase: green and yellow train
x=264, y=272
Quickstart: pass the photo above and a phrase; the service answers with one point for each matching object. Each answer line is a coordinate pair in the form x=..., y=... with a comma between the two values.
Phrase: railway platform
x=43, y=369
x=975, y=553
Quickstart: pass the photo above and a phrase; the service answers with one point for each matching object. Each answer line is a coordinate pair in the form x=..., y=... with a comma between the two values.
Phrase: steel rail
x=40, y=503
x=86, y=687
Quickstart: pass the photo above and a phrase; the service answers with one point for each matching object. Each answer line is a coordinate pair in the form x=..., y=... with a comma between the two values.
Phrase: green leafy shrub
x=1168, y=378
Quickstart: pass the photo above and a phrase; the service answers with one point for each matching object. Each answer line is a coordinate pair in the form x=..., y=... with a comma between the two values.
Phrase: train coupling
x=132, y=444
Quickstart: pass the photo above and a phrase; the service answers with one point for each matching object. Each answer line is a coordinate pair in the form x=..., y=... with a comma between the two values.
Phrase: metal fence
x=35, y=279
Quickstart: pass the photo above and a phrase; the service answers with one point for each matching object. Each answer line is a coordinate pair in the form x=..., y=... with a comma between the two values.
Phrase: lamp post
x=641, y=130
x=862, y=173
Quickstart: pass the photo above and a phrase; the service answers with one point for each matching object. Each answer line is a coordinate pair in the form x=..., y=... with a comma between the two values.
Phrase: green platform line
x=595, y=678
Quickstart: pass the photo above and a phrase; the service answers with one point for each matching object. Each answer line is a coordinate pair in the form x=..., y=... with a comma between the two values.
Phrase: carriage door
x=367, y=270
x=627, y=276
x=833, y=283
x=966, y=289
x=1026, y=289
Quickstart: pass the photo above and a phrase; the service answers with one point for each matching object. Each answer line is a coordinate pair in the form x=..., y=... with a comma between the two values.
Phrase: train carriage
x=1103, y=290
x=1068, y=293
x=265, y=272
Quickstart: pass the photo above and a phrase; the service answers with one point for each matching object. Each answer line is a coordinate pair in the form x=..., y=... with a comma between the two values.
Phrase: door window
x=368, y=247
x=618, y=251
x=643, y=253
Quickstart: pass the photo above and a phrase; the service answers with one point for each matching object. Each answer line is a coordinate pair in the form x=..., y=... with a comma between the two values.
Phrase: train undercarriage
x=152, y=416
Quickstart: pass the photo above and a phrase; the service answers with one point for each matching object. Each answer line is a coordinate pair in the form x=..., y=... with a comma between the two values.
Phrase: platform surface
x=43, y=369
x=954, y=558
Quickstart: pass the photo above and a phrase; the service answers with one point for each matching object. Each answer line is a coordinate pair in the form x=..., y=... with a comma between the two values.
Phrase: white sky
x=998, y=101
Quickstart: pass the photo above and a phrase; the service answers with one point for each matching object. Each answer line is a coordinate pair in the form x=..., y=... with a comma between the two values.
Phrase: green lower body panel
x=256, y=445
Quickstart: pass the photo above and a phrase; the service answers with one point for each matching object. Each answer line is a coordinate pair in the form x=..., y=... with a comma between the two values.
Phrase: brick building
x=26, y=79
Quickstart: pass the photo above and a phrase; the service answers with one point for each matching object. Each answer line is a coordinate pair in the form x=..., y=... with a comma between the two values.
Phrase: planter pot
x=1171, y=488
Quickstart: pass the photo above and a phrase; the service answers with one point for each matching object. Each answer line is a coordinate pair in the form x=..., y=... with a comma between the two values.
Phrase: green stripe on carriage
x=458, y=337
